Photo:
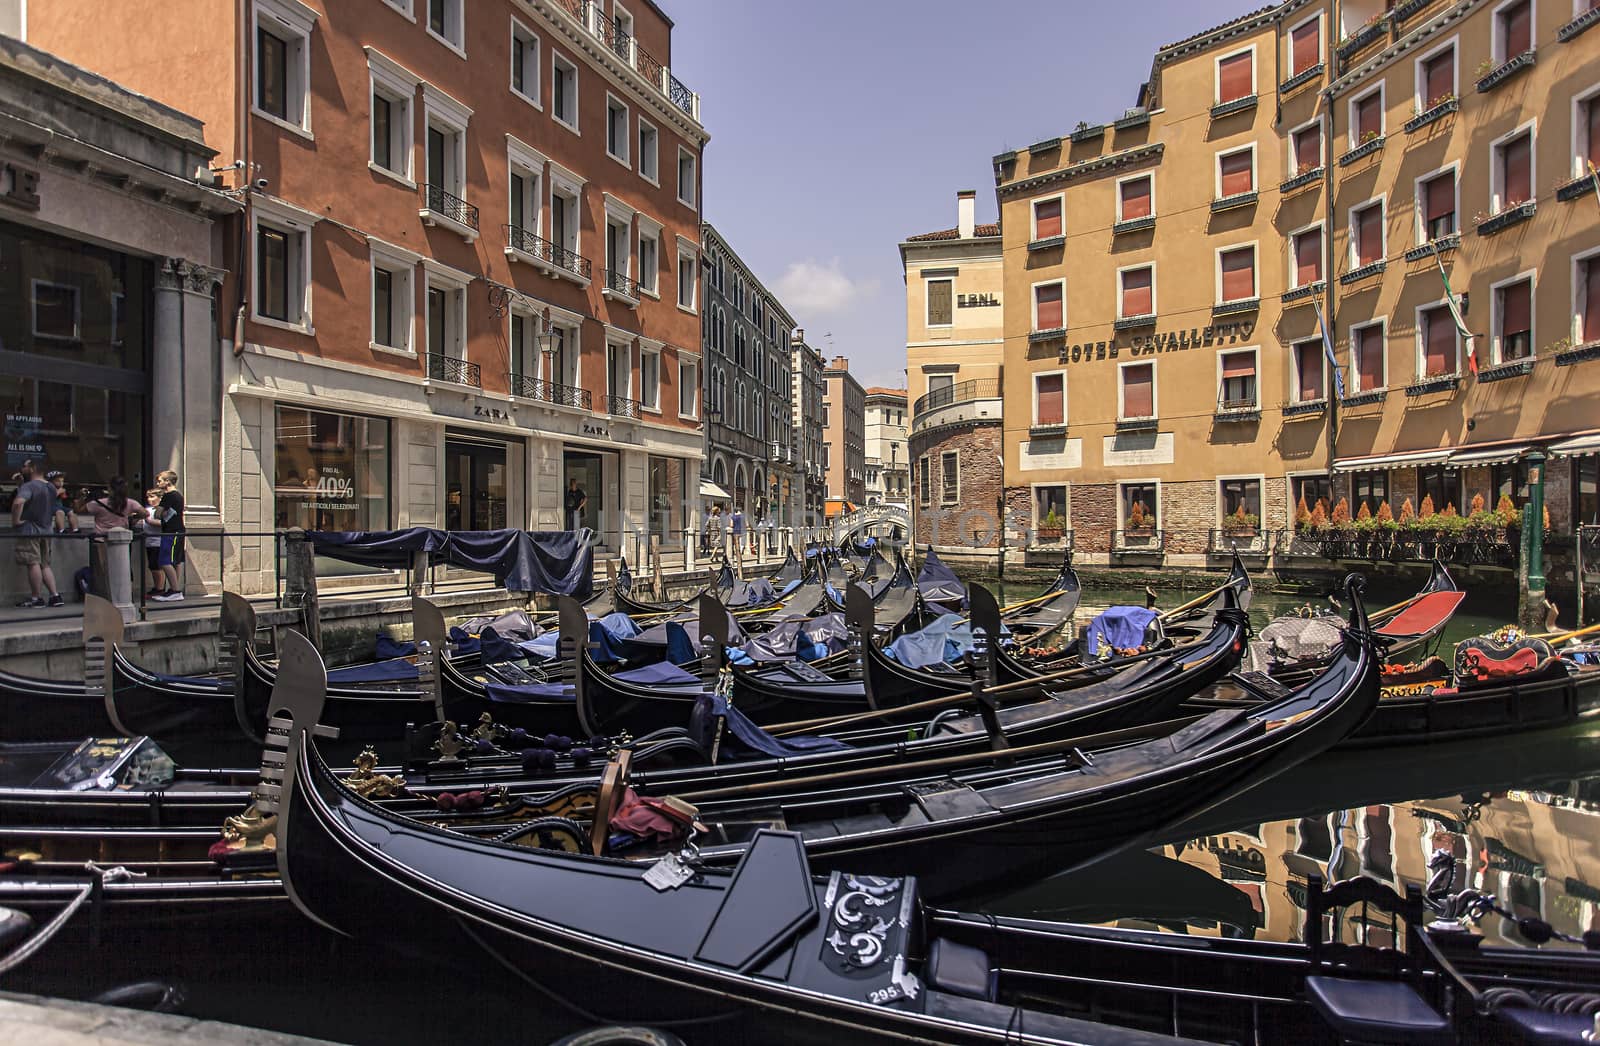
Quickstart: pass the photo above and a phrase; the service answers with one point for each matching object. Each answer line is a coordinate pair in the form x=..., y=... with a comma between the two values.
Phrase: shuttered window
x=1438, y=342
x=1439, y=206
x=1516, y=174
x=1136, y=199
x=1046, y=219
x=1239, y=274
x=1369, y=116
x=1368, y=234
x=1307, y=257
x=1516, y=30
x=1050, y=399
x=1516, y=320
x=1369, y=352
x=1591, y=118
x=1236, y=172
x=1235, y=77
x=1238, y=381
x=1139, y=390
x=939, y=302
x=1047, y=307
x=1591, y=299
x=1305, y=47
x=1308, y=149
x=1138, y=292
x=1308, y=362
x=1438, y=78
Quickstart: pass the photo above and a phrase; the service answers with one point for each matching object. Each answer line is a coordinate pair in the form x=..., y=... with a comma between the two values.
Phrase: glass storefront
x=332, y=471
x=475, y=484
x=669, y=499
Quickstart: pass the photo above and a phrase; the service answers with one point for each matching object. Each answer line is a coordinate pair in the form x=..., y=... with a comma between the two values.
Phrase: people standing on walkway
x=714, y=530
x=736, y=529
x=577, y=501
x=35, y=513
x=114, y=508
x=170, y=552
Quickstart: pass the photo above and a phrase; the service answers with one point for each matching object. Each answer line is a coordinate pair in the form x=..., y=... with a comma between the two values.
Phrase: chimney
x=966, y=213
x=840, y=363
x=798, y=337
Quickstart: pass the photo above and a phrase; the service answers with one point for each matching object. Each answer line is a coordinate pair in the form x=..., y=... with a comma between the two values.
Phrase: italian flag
x=1455, y=313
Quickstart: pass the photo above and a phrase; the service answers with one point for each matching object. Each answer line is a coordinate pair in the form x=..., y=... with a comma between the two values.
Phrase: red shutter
x=1518, y=30
x=1441, y=197
x=1369, y=358
x=1439, y=78
x=1593, y=106
x=1048, y=299
x=1369, y=116
x=1051, y=399
x=1307, y=47
x=1234, y=77
x=1136, y=199
x=1591, y=298
x=1369, y=235
x=1308, y=366
x=1308, y=150
x=1516, y=308
x=1046, y=219
x=1239, y=365
x=1137, y=296
x=1439, y=332
x=1138, y=391
x=1307, y=258
x=1238, y=274
x=1516, y=157
x=1236, y=176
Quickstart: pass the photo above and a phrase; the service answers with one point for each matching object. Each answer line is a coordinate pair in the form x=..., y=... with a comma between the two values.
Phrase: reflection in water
x=1521, y=815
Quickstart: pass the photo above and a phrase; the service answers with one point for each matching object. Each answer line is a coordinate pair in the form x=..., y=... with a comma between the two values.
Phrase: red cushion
x=1426, y=613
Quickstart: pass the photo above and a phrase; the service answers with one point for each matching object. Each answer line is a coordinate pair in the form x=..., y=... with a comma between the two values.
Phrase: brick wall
x=1094, y=515
x=1558, y=494
x=970, y=521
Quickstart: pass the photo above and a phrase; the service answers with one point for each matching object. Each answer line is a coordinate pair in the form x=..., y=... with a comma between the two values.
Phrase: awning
x=1465, y=459
x=1576, y=447
x=1410, y=459
x=709, y=489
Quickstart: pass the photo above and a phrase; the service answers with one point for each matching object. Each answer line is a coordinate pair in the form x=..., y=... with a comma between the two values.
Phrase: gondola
x=938, y=583
x=894, y=591
x=1049, y=611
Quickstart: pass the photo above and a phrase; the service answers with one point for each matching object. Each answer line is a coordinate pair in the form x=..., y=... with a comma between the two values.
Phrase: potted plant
x=1051, y=526
x=1140, y=525
x=1241, y=524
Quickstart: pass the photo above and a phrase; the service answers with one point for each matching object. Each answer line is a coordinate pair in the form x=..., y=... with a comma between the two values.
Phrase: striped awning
x=1410, y=459
x=1576, y=447
x=1463, y=459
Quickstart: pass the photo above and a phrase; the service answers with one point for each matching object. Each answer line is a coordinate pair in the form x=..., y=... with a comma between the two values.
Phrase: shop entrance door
x=475, y=484
x=589, y=471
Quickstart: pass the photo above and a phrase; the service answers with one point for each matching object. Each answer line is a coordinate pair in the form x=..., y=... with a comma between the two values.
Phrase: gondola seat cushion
x=1543, y=1028
x=961, y=969
x=1377, y=1011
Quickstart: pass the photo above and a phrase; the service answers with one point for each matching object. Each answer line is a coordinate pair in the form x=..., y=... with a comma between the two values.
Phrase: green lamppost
x=1533, y=526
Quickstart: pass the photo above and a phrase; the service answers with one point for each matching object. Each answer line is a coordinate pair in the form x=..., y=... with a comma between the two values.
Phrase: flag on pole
x=1455, y=313
x=1327, y=350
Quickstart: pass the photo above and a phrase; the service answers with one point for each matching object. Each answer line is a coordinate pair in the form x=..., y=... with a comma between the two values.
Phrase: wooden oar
x=966, y=758
x=1008, y=608
x=1201, y=599
x=1557, y=638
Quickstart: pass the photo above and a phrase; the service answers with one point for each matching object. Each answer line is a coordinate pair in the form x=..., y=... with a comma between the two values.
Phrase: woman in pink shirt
x=114, y=509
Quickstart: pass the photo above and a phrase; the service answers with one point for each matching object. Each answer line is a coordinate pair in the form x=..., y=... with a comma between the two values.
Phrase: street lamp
x=547, y=346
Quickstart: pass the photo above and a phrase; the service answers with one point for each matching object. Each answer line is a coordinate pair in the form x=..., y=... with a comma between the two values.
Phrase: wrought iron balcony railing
x=448, y=205
x=622, y=283
x=621, y=406
x=1147, y=539
x=976, y=389
x=591, y=15
x=550, y=392
x=571, y=261
x=448, y=368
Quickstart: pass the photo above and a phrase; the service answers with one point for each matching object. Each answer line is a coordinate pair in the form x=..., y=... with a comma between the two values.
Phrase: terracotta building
x=467, y=272
x=844, y=434
x=1373, y=169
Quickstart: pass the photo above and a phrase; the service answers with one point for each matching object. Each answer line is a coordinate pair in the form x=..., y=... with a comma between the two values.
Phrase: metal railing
x=520, y=239
x=621, y=283
x=975, y=389
x=1491, y=547
x=621, y=406
x=1242, y=539
x=1146, y=540
x=592, y=16
x=570, y=260
x=449, y=368
x=449, y=205
x=550, y=392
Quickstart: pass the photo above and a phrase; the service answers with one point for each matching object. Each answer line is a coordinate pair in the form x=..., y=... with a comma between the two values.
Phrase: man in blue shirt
x=36, y=513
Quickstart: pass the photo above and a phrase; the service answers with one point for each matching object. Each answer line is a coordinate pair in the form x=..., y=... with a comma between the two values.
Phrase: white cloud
x=811, y=288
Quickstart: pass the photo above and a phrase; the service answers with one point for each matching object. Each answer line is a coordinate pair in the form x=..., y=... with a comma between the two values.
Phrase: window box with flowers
x=1364, y=35
x=1437, y=110
x=1051, y=526
x=1491, y=76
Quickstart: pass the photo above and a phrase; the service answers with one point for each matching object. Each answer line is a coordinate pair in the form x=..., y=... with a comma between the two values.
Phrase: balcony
x=455, y=371
x=1579, y=187
x=592, y=17
x=1128, y=225
x=976, y=389
x=1138, y=424
x=1407, y=9
x=448, y=211
x=1432, y=247
x=1238, y=105
x=1357, y=41
x=1304, y=293
x=620, y=287
x=1143, y=541
x=1510, y=369
x=1414, y=542
x=1057, y=430
x=1048, y=243
x=1579, y=354
x=1233, y=308
x=1133, y=118
x=1238, y=410
x=1570, y=31
x=1129, y=323
x=1434, y=113
x=1246, y=541
x=1363, y=399
x=1434, y=383
x=551, y=392
x=1044, y=146
x=524, y=246
x=1516, y=214
x=1358, y=274
x=622, y=407
x=1228, y=203
x=1499, y=75
x=1306, y=408
x=1301, y=180
x=1366, y=148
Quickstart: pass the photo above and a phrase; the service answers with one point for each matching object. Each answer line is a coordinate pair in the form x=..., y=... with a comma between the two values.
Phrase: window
x=1050, y=399
x=649, y=148
x=1511, y=178
x=1047, y=218
x=1369, y=363
x=1441, y=484
x=1436, y=77
x=523, y=354
x=1237, y=494
x=1513, y=30
x=1237, y=273
x=1509, y=480
x=1366, y=117
x=282, y=265
x=444, y=22
x=56, y=314
x=1138, y=391
x=524, y=62
x=924, y=483
x=686, y=276
x=1236, y=77
x=649, y=257
x=1135, y=198
x=1310, y=382
x=650, y=379
x=446, y=154
x=1586, y=295
x=1436, y=206
x=1140, y=505
x=1237, y=380
x=1370, y=489
x=1513, y=320
x=283, y=63
x=688, y=185
x=1307, y=262
x=619, y=253
x=564, y=91
x=446, y=311
x=1437, y=331
x=1586, y=491
x=616, y=130
x=393, y=89
x=1305, y=46
x=1138, y=292
x=1586, y=134
x=1236, y=172
x=331, y=471
x=941, y=299
x=524, y=205
x=1307, y=146
x=1312, y=490
x=949, y=478
x=1366, y=234
x=392, y=299
x=1049, y=311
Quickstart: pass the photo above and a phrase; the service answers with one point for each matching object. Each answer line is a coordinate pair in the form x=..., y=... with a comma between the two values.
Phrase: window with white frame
x=1305, y=45
x=393, y=298
x=1136, y=198
x=616, y=129
x=446, y=121
x=1366, y=117
x=1050, y=503
x=650, y=379
x=1310, y=371
x=1136, y=292
x=1236, y=379
x=1511, y=170
x=687, y=288
x=649, y=256
x=1136, y=391
x=1369, y=362
x=649, y=152
x=619, y=241
x=1436, y=206
x=1236, y=172
x=1236, y=273
x=1050, y=398
x=524, y=62
x=1366, y=234
x=57, y=312
x=560, y=365
x=282, y=239
x=1436, y=77
x=1139, y=505
x=1049, y=306
x=619, y=369
x=1438, y=347
x=688, y=179
x=1305, y=148
x=1305, y=263
x=949, y=477
x=1236, y=76
x=403, y=6
x=446, y=316
x=1586, y=297
x=1047, y=218
x=566, y=192
x=1586, y=132
x=525, y=194
x=524, y=348
x=563, y=90
x=688, y=388
x=393, y=89
x=1513, y=319
x=1238, y=497
x=940, y=295
x=283, y=62
x=445, y=22
x=1513, y=29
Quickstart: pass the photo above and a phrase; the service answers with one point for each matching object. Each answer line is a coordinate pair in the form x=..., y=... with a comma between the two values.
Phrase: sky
x=840, y=127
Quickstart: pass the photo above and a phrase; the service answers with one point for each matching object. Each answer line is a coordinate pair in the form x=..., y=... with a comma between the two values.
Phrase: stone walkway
x=41, y=1021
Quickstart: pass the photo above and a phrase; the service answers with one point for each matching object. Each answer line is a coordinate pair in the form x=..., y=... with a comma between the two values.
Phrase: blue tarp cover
x=661, y=673
x=554, y=561
x=1121, y=627
x=798, y=638
x=521, y=695
x=393, y=671
x=744, y=731
x=945, y=639
x=388, y=646
x=618, y=627
x=938, y=582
